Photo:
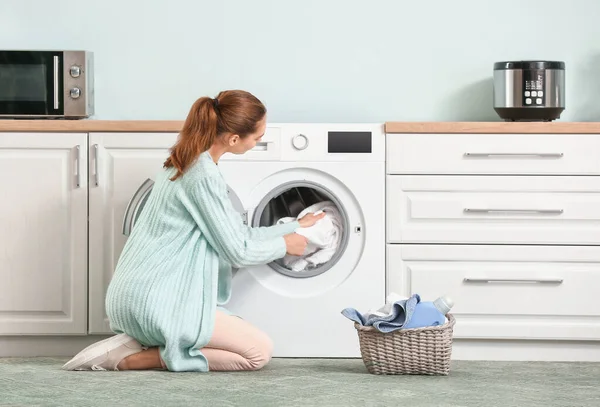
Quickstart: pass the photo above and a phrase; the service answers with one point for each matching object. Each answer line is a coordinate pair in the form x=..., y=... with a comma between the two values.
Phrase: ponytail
x=199, y=132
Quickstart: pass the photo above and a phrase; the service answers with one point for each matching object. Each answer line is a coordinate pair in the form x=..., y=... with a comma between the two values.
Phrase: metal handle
x=517, y=155
x=522, y=211
x=77, y=166
x=514, y=281
x=56, y=66
x=96, y=158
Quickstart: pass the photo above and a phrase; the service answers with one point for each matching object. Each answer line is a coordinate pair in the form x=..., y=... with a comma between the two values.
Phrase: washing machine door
x=140, y=197
x=286, y=194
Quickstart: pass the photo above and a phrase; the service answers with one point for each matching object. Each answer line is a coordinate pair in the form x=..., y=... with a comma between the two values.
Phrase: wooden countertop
x=494, y=127
x=89, y=125
x=169, y=126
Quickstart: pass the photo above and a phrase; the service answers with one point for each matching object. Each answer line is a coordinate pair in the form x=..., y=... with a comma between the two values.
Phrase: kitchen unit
x=503, y=218
x=67, y=184
x=500, y=216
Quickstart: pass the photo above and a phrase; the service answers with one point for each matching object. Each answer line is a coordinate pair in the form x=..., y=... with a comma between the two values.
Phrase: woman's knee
x=263, y=352
x=232, y=334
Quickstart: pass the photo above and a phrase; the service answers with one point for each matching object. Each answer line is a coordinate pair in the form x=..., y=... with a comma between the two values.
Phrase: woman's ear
x=233, y=140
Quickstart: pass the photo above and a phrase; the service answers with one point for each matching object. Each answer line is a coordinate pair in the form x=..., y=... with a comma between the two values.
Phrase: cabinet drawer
x=493, y=209
x=566, y=154
x=510, y=292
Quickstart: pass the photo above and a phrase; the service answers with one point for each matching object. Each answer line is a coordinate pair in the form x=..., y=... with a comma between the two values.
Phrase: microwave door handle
x=56, y=99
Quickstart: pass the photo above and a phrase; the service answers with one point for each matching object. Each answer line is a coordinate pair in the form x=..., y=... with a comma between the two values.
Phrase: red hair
x=231, y=112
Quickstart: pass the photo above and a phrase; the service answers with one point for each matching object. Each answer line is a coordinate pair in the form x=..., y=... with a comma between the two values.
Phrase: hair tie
x=215, y=103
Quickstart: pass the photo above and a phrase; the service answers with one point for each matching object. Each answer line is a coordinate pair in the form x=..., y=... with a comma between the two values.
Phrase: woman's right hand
x=295, y=244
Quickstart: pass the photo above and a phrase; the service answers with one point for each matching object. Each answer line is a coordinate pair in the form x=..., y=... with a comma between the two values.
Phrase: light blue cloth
x=400, y=314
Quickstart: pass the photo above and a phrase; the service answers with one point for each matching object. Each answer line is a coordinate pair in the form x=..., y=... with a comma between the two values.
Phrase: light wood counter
x=85, y=126
x=494, y=127
x=169, y=126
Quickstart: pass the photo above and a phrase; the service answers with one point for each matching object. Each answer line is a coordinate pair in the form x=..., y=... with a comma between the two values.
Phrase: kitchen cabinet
x=505, y=224
x=43, y=233
x=119, y=163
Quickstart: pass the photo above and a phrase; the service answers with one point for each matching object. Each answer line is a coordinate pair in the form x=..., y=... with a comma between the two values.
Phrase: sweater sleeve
x=221, y=224
x=268, y=232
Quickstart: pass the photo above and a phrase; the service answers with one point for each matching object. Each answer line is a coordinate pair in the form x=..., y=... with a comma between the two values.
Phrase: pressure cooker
x=529, y=90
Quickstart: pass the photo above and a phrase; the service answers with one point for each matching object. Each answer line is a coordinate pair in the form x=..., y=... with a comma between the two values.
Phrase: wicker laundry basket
x=418, y=351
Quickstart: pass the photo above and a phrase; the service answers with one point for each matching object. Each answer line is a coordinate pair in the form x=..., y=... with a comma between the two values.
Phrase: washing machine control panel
x=321, y=142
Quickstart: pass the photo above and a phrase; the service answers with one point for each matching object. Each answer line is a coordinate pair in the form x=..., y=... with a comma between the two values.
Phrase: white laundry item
x=323, y=237
x=386, y=309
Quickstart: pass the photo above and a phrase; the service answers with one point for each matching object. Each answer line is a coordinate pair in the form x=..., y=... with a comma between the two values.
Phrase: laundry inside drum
x=327, y=240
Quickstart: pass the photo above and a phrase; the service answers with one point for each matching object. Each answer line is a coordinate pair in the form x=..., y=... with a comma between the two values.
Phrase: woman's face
x=238, y=145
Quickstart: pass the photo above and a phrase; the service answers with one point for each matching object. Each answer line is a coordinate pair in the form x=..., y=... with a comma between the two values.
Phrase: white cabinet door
x=119, y=164
x=43, y=233
x=506, y=292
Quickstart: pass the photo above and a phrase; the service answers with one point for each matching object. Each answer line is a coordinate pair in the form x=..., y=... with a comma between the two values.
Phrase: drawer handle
x=522, y=211
x=514, y=281
x=514, y=155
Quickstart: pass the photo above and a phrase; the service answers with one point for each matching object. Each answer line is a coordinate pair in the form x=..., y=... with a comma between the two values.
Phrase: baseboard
x=67, y=346
x=48, y=346
x=512, y=350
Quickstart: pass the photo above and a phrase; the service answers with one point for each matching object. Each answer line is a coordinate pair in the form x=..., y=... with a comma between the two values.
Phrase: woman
x=175, y=269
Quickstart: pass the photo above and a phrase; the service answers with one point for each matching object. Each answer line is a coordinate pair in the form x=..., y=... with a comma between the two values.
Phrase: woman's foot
x=105, y=355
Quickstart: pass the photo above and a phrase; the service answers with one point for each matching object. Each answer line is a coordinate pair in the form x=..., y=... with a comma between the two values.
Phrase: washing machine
x=293, y=167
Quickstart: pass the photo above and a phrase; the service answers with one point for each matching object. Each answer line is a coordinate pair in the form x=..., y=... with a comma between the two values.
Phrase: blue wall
x=314, y=60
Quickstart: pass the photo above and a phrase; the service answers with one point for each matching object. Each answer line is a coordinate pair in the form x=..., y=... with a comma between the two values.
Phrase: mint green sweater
x=175, y=267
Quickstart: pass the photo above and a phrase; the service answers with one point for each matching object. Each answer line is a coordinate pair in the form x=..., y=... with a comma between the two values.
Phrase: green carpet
x=295, y=382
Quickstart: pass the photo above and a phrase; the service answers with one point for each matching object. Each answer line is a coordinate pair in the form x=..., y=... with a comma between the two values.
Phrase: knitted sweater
x=175, y=267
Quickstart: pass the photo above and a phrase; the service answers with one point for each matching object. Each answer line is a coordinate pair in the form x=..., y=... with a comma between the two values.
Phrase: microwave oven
x=46, y=84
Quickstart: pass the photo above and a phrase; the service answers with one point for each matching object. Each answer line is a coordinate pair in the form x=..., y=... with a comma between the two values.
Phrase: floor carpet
x=303, y=382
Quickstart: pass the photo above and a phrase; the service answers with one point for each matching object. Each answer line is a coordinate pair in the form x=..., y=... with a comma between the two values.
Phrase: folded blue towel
x=400, y=314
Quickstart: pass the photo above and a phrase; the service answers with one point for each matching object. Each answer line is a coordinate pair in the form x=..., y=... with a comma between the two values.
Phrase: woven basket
x=418, y=351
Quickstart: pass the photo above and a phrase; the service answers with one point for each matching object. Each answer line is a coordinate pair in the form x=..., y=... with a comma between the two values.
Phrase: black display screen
x=349, y=142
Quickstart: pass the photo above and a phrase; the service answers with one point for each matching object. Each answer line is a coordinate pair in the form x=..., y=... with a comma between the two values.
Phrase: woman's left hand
x=310, y=219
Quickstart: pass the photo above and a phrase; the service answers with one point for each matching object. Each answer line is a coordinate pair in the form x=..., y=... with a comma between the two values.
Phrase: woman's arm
x=222, y=225
x=268, y=232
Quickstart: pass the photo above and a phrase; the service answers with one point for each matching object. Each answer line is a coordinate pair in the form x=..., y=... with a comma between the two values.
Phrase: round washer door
x=140, y=197
x=284, y=196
